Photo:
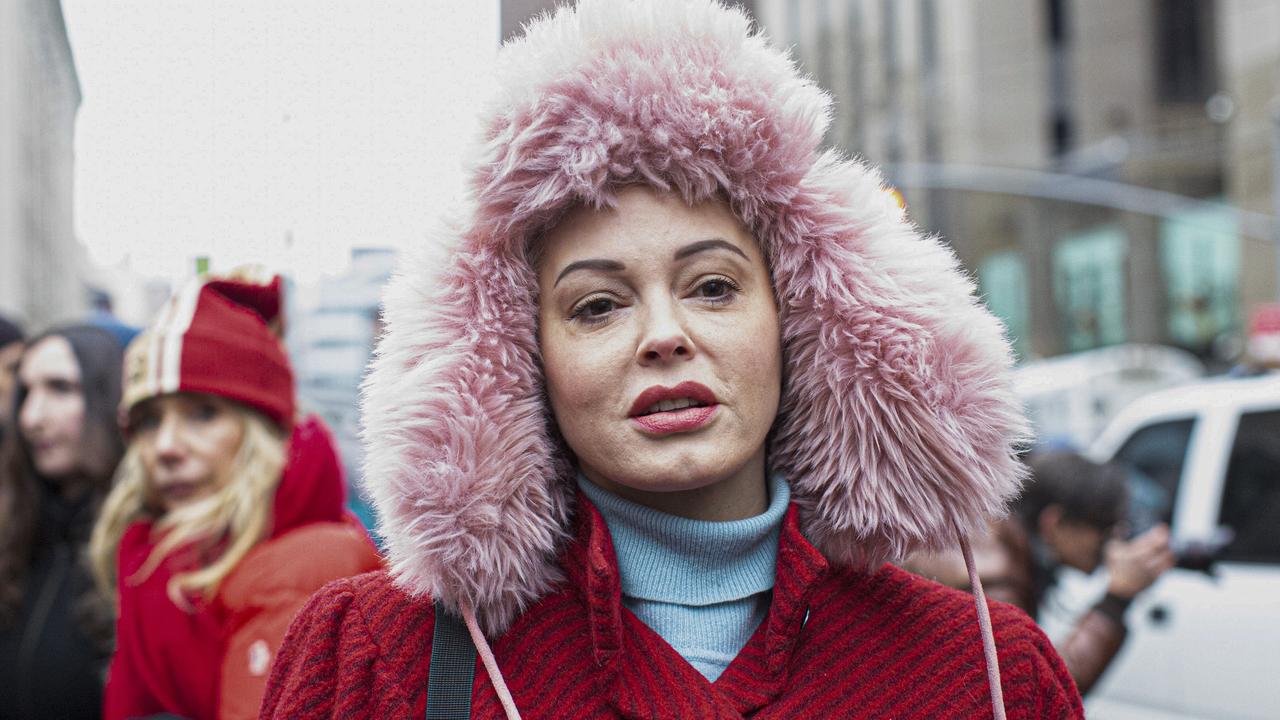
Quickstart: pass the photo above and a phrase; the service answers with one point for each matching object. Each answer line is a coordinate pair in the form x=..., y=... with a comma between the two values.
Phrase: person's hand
x=1136, y=564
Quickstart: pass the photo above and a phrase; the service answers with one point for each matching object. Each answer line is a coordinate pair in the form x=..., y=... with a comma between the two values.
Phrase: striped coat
x=835, y=644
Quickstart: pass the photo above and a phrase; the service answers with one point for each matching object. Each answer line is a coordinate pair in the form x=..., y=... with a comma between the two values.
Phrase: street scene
x=769, y=358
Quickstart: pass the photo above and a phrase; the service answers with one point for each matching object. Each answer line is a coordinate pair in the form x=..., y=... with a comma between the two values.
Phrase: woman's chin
x=678, y=473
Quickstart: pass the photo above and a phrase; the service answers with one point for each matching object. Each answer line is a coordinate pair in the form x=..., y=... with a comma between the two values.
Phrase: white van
x=1070, y=398
x=1206, y=456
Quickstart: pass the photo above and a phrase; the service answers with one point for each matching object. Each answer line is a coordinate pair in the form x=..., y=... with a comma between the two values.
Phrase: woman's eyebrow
x=693, y=248
x=591, y=264
x=710, y=244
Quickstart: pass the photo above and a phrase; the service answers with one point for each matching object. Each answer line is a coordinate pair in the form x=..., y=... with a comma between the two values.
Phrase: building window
x=1059, y=40
x=1200, y=258
x=1089, y=287
x=1183, y=54
x=1056, y=12
x=1003, y=278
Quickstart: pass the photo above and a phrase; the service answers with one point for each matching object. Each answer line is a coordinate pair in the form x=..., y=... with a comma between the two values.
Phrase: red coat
x=1005, y=565
x=835, y=644
x=213, y=663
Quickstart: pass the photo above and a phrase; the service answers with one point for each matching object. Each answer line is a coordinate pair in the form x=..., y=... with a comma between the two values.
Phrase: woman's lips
x=181, y=490
x=684, y=419
x=686, y=390
x=674, y=421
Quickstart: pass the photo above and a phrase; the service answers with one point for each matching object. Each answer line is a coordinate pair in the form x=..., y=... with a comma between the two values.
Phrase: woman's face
x=51, y=418
x=661, y=347
x=187, y=443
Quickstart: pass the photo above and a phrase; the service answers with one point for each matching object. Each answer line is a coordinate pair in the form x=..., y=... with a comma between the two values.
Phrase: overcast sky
x=223, y=128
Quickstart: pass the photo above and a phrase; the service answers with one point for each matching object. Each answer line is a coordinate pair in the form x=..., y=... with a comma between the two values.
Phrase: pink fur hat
x=897, y=427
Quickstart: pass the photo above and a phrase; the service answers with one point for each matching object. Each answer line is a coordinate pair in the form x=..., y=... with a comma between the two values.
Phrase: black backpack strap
x=453, y=669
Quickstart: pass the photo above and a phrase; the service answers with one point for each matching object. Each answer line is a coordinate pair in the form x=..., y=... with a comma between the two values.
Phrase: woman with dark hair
x=55, y=628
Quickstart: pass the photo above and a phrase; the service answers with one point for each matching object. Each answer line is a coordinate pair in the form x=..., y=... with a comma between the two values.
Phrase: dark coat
x=49, y=665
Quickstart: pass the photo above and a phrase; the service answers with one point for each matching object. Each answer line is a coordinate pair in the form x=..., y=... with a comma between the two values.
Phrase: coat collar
x=591, y=566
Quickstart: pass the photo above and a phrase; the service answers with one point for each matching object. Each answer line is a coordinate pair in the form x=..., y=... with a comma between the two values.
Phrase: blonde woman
x=225, y=515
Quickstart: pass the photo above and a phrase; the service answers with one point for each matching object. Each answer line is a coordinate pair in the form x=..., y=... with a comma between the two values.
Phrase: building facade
x=41, y=262
x=332, y=329
x=1107, y=170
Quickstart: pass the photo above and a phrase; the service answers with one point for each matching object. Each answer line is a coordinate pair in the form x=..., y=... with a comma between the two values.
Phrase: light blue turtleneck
x=704, y=586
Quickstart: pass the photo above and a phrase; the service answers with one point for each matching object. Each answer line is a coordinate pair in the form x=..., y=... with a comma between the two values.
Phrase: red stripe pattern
x=836, y=644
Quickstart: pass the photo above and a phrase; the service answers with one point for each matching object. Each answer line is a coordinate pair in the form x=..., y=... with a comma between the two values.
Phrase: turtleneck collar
x=673, y=559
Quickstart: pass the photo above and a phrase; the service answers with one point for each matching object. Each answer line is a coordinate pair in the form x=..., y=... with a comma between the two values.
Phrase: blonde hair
x=226, y=524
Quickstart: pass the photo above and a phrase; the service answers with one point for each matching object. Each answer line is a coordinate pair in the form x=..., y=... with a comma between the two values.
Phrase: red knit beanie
x=219, y=336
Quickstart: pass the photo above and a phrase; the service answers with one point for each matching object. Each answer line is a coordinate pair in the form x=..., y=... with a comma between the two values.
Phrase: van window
x=1154, y=456
x=1251, y=496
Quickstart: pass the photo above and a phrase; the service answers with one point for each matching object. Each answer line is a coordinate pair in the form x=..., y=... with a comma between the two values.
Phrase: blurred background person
x=55, y=628
x=10, y=350
x=226, y=514
x=1070, y=514
x=102, y=314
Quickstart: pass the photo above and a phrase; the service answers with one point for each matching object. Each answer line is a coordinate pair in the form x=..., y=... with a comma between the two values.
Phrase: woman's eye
x=205, y=411
x=145, y=423
x=594, y=309
x=716, y=289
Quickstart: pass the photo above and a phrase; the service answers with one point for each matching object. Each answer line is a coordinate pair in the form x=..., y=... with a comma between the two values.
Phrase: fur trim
x=897, y=424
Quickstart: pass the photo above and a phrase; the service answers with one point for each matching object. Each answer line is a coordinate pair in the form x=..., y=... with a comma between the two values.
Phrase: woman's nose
x=665, y=338
x=168, y=439
x=31, y=414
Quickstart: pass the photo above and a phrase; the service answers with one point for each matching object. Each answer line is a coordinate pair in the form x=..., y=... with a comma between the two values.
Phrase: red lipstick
x=666, y=422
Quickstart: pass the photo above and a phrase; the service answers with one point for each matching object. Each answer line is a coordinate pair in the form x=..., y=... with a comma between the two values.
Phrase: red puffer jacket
x=213, y=662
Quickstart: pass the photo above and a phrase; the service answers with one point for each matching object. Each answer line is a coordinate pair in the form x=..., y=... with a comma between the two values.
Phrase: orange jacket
x=261, y=596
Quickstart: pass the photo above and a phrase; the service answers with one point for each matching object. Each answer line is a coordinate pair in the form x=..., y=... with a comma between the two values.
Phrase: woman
x=225, y=515
x=651, y=428
x=55, y=629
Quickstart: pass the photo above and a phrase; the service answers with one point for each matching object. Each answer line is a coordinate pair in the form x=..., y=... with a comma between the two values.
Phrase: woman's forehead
x=644, y=222
x=181, y=400
x=51, y=357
